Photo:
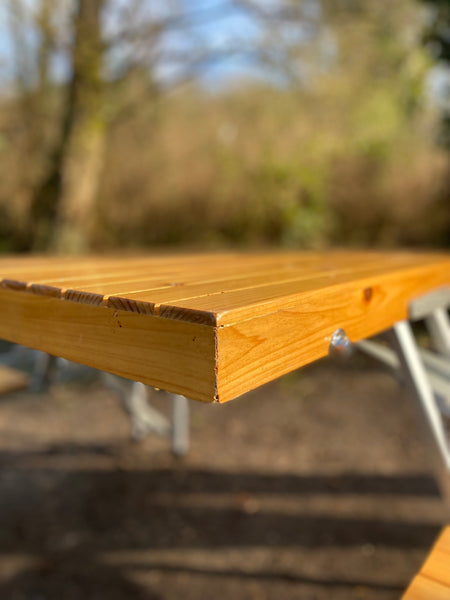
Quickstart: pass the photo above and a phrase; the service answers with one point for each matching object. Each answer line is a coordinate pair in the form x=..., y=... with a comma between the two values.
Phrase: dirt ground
x=317, y=486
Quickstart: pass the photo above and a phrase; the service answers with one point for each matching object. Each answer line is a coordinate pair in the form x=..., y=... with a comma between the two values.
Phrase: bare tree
x=62, y=206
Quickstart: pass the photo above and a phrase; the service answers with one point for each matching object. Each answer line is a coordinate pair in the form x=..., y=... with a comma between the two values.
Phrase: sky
x=216, y=24
x=5, y=45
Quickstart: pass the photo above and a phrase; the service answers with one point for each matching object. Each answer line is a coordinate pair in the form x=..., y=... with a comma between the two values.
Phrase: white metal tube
x=180, y=425
x=414, y=368
x=438, y=325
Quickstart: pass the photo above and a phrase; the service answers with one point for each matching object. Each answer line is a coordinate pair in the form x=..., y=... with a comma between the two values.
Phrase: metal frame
x=134, y=396
x=426, y=373
x=418, y=379
x=43, y=371
x=146, y=419
x=438, y=324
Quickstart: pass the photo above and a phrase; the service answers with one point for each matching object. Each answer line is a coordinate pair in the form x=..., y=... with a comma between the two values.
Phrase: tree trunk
x=63, y=208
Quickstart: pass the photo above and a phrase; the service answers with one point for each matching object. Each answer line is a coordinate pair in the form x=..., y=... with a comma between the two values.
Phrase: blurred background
x=213, y=123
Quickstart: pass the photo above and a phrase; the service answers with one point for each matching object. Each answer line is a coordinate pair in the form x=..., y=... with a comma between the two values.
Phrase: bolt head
x=340, y=345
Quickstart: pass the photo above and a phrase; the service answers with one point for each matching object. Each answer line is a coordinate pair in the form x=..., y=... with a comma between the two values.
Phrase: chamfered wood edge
x=201, y=317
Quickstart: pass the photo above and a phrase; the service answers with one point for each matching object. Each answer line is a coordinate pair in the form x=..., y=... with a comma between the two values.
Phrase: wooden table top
x=209, y=326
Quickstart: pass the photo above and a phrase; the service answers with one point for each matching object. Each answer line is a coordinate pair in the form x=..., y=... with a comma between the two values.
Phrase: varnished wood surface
x=433, y=580
x=257, y=315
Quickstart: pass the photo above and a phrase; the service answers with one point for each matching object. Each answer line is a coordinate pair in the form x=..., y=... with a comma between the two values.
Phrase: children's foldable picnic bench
x=211, y=327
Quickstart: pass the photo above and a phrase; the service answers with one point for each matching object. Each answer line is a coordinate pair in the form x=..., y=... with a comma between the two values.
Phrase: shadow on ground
x=98, y=512
x=82, y=517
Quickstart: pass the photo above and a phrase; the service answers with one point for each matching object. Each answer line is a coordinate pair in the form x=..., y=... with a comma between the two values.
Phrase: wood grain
x=254, y=316
x=433, y=580
x=256, y=350
x=172, y=355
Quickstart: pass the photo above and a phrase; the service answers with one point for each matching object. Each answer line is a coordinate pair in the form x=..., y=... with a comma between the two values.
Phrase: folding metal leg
x=426, y=372
x=417, y=376
x=180, y=425
x=43, y=371
x=438, y=324
x=146, y=419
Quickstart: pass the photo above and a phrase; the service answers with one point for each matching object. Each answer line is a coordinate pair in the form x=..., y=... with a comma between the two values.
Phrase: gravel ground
x=320, y=485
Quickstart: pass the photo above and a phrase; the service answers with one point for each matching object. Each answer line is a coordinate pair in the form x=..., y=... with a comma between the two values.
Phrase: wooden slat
x=433, y=580
x=158, y=291
x=86, y=283
x=32, y=266
x=182, y=274
x=193, y=269
x=214, y=293
x=265, y=314
x=251, y=302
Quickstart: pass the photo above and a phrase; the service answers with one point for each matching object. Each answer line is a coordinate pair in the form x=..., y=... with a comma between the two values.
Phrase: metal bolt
x=340, y=345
